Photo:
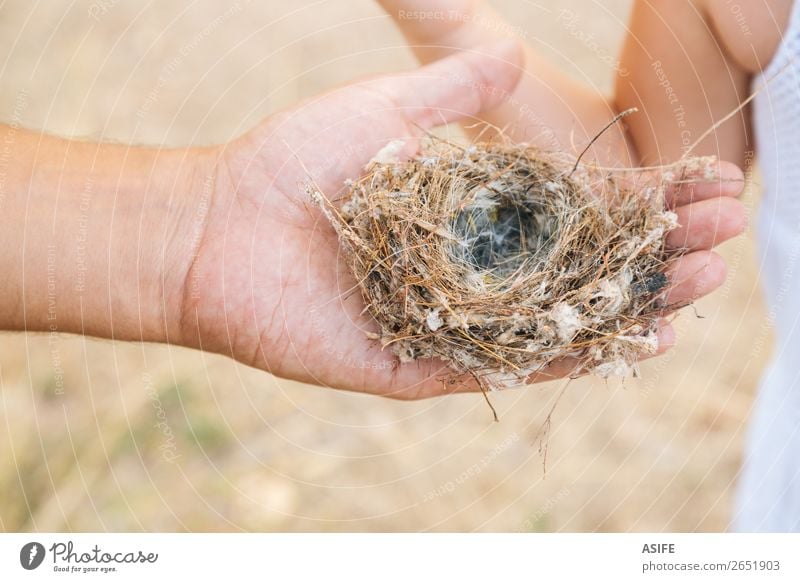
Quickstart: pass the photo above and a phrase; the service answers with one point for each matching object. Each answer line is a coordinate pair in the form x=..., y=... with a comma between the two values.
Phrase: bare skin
x=691, y=63
x=709, y=214
x=547, y=107
x=219, y=249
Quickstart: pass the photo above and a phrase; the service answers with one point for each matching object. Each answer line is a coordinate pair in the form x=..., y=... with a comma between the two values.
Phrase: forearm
x=95, y=238
x=682, y=79
x=548, y=107
x=564, y=114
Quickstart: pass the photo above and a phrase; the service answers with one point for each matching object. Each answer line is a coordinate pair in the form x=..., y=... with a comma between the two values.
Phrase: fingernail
x=731, y=176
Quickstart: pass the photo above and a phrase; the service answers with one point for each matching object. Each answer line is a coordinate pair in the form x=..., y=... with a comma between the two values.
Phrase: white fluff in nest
x=389, y=154
x=618, y=368
x=567, y=319
x=434, y=320
x=484, y=199
x=614, y=292
x=508, y=259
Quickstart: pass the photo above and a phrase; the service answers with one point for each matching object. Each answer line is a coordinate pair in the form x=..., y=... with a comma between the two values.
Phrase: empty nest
x=500, y=259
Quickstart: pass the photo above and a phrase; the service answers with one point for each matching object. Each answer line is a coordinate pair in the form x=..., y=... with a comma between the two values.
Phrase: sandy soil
x=82, y=447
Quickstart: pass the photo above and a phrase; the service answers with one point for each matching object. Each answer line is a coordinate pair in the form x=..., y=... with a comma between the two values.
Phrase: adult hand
x=275, y=292
x=220, y=249
x=269, y=285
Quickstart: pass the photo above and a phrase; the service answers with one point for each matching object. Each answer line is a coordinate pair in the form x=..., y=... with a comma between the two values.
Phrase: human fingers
x=707, y=223
x=722, y=179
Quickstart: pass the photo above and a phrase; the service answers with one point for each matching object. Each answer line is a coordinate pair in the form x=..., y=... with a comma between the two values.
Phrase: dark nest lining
x=505, y=228
x=500, y=259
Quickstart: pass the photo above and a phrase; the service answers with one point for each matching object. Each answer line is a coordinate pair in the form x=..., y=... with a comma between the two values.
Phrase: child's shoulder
x=749, y=30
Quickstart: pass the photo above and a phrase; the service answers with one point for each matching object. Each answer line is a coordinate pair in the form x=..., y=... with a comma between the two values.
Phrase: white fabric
x=768, y=496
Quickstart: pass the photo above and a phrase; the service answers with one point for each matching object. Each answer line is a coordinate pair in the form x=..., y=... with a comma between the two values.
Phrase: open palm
x=274, y=291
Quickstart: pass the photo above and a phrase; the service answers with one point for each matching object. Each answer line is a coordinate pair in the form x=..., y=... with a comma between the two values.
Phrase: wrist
x=146, y=217
x=181, y=198
x=237, y=220
x=105, y=233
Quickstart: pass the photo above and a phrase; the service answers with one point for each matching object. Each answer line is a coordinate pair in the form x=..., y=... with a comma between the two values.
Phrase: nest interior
x=501, y=258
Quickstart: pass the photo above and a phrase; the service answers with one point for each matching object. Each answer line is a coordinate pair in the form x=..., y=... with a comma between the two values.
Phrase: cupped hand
x=269, y=285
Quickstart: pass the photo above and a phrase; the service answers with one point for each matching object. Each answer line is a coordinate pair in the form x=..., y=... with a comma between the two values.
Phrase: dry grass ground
x=82, y=447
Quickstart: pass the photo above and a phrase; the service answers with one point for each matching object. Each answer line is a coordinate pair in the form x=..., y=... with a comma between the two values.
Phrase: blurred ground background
x=111, y=436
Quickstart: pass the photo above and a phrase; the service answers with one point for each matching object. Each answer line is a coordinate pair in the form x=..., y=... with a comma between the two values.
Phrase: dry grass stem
x=501, y=259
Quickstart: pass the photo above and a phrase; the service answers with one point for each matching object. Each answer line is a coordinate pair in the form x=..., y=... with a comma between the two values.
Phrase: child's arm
x=687, y=64
x=548, y=107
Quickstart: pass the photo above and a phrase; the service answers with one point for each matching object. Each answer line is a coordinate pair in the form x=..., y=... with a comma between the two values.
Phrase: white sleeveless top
x=768, y=497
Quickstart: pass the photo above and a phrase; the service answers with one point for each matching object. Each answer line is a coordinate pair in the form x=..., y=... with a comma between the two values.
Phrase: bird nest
x=500, y=259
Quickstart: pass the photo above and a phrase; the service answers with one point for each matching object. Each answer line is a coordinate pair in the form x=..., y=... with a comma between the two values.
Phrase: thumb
x=457, y=87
